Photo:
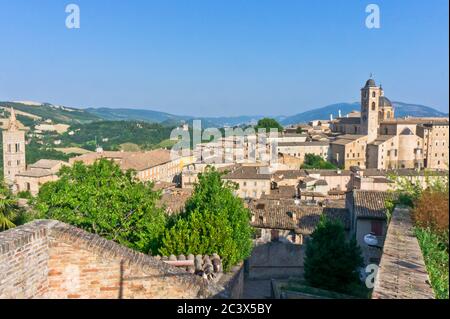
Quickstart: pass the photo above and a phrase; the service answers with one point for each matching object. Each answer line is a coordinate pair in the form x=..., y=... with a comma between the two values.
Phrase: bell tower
x=370, y=98
x=13, y=150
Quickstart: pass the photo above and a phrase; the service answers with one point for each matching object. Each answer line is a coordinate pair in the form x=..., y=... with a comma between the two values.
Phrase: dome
x=370, y=83
x=406, y=131
x=384, y=102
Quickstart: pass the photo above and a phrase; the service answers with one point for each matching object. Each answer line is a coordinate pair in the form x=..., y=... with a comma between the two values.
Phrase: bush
x=215, y=221
x=102, y=199
x=331, y=262
x=431, y=211
x=435, y=252
x=313, y=161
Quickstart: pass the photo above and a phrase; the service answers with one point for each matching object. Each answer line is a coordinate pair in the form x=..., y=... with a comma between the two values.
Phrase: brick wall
x=50, y=259
x=402, y=273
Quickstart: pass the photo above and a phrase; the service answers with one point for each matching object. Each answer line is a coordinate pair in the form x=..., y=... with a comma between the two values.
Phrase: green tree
x=299, y=130
x=8, y=208
x=267, y=124
x=102, y=199
x=331, y=262
x=214, y=221
x=313, y=161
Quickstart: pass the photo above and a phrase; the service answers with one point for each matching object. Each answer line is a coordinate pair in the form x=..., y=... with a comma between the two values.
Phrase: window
x=17, y=147
x=377, y=227
x=373, y=106
x=9, y=148
x=28, y=187
x=274, y=235
x=245, y=183
x=395, y=153
x=18, y=162
x=374, y=94
x=388, y=153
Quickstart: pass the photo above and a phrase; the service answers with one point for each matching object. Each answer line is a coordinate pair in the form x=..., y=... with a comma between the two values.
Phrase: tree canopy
x=214, y=221
x=268, y=123
x=104, y=200
x=331, y=262
x=313, y=161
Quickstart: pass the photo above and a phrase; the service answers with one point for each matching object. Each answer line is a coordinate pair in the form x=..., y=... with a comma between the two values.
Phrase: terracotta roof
x=289, y=174
x=248, y=172
x=370, y=204
x=314, y=143
x=46, y=164
x=129, y=160
x=301, y=218
x=174, y=200
x=329, y=172
x=36, y=172
x=281, y=192
x=348, y=120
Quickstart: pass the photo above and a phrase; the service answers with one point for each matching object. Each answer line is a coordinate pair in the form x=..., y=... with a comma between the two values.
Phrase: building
x=37, y=174
x=300, y=149
x=13, y=151
x=252, y=181
x=435, y=143
x=368, y=216
x=155, y=165
x=349, y=150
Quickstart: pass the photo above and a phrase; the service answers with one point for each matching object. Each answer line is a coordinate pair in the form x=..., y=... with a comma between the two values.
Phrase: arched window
x=388, y=115
x=373, y=94
x=373, y=106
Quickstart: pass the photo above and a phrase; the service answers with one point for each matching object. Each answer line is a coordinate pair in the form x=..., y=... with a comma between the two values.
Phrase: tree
x=104, y=200
x=299, y=130
x=8, y=208
x=313, y=161
x=267, y=124
x=214, y=221
x=331, y=262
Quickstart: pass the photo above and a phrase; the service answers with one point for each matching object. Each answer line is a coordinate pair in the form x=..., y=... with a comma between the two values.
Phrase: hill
x=401, y=110
x=58, y=114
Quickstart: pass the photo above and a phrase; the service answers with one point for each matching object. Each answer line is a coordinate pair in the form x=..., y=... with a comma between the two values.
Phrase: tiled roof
x=129, y=160
x=175, y=200
x=46, y=164
x=300, y=218
x=370, y=204
x=248, y=172
x=329, y=172
x=36, y=172
x=289, y=174
x=314, y=143
x=281, y=192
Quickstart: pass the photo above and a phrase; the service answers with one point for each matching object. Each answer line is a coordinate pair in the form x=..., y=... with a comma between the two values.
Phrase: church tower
x=13, y=150
x=370, y=108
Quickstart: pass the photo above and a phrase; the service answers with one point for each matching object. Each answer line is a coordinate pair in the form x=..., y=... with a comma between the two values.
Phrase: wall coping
x=18, y=237
x=402, y=272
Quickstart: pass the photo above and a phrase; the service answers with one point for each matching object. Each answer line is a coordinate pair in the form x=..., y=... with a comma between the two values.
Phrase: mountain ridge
x=73, y=115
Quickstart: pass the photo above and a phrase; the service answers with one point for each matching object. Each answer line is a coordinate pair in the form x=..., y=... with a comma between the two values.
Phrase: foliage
x=313, y=161
x=299, y=130
x=112, y=134
x=24, y=194
x=267, y=124
x=431, y=211
x=331, y=262
x=104, y=200
x=430, y=214
x=35, y=152
x=8, y=208
x=435, y=252
x=214, y=221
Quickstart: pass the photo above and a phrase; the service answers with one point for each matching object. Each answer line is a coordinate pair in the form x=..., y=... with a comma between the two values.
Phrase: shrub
x=102, y=199
x=431, y=211
x=215, y=221
x=331, y=262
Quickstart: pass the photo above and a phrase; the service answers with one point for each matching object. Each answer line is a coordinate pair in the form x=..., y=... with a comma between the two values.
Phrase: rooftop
x=370, y=204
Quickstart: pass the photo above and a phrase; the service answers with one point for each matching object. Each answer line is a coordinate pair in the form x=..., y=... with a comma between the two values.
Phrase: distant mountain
x=401, y=110
x=69, y=115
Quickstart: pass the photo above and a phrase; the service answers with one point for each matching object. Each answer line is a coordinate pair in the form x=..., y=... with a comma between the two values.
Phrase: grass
x=435, y=252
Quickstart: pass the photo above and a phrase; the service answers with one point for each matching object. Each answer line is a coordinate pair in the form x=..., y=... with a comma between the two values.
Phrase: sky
x=222, y=57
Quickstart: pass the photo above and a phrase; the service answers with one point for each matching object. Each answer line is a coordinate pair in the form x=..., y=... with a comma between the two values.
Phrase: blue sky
x=222, y=57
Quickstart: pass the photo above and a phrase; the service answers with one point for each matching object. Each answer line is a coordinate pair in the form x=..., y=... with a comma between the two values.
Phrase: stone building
x=37, y=174
x=253, y=181
x=155, y=165
x=349, y=150
x=13, y=151
x=300, y=149
x=435, y=143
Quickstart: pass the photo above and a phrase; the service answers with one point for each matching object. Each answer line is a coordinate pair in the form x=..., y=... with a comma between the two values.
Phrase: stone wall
x=276, y=260
x=50, y=259
x=402, y=273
